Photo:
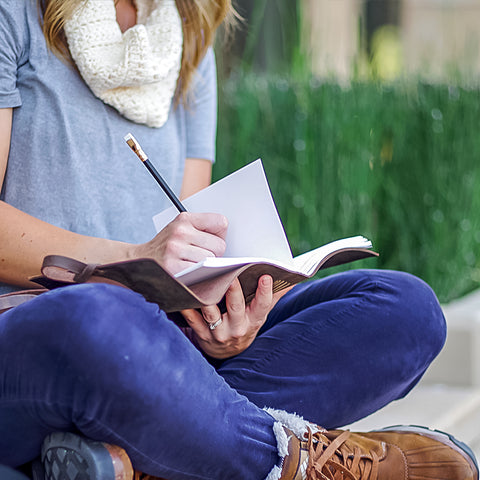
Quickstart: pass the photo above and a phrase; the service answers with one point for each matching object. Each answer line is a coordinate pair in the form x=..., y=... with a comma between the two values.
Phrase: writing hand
x=188, y=239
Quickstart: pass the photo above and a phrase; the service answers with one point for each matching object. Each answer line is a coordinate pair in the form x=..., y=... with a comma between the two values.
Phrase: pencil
x=137, y=149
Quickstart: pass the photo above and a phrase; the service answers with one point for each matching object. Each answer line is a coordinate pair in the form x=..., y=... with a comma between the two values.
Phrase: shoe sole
x=67, y=456
x=38, y=472
x=439, y=436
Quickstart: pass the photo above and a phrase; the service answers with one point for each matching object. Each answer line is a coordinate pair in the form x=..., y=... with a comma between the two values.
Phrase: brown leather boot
x=396, y=453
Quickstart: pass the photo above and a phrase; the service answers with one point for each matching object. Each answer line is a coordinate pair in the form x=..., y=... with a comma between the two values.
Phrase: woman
x=97, y=363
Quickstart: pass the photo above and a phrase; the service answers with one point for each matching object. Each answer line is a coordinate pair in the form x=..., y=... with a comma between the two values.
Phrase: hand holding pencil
x=189, y=238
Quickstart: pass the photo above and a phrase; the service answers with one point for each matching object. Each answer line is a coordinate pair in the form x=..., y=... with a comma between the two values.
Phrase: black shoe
x=66, y=456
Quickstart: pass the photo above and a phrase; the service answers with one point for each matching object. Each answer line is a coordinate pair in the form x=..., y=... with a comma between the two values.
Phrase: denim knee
x=421, y=313
x=411, y=311
x=89, y=334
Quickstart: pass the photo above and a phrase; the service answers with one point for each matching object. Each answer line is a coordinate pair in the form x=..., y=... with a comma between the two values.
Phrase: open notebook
x=255, y=232
x=256, y=245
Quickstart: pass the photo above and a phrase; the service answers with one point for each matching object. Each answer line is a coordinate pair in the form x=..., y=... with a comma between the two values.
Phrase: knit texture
x=135, y=71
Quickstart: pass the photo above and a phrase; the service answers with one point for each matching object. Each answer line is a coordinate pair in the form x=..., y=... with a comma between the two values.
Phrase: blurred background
x=366, y=116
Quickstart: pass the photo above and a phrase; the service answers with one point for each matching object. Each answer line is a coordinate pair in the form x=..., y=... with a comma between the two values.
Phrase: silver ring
x=214, y=325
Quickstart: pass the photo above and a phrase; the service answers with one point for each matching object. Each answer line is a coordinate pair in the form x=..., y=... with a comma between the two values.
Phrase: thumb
x=262, y=303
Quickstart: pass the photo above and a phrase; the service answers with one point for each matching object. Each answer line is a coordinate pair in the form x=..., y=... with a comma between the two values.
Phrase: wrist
x=129, y=251
x=133, y=251
x=111, y=251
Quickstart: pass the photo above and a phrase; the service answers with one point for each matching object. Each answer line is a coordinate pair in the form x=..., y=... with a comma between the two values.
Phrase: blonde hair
x=201, y=18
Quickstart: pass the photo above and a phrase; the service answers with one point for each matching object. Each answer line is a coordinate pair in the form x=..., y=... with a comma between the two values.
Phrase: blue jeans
x=100, y=360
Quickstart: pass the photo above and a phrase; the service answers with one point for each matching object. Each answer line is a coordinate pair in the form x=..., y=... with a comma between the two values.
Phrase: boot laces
x=334, y=460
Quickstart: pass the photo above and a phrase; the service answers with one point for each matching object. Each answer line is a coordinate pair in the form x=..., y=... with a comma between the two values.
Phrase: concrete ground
x=455, y=410
x=448, y=397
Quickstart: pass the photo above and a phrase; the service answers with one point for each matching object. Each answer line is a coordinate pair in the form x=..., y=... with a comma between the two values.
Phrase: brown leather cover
x=148, y=278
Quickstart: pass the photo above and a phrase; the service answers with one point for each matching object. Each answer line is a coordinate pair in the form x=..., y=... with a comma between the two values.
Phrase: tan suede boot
x=397, y=453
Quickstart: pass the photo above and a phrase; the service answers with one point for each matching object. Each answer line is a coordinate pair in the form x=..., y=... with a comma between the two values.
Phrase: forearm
x=197, y=176
x=25, y=241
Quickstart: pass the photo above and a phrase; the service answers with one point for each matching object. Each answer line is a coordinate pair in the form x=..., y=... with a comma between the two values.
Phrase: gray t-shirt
x=68, y=162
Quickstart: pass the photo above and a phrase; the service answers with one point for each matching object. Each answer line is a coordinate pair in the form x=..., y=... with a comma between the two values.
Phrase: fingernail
x=266, y=281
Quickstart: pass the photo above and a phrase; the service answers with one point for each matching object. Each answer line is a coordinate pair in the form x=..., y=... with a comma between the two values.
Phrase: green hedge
x=399, y=164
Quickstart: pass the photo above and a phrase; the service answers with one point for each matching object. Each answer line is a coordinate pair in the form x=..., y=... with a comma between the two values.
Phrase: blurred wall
x=332, y=35
x=441, y=38
x=437, y=39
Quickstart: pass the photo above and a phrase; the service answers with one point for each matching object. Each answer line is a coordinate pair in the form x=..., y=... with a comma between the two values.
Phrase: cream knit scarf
x=135, y=72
